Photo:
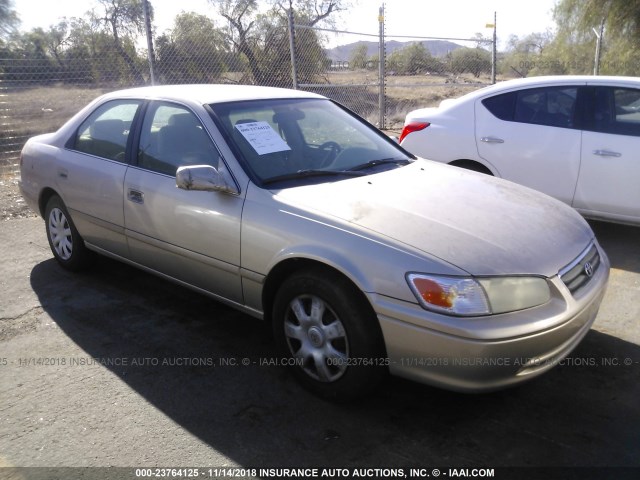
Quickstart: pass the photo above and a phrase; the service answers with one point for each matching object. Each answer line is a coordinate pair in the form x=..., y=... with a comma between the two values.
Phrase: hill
x=437, y=48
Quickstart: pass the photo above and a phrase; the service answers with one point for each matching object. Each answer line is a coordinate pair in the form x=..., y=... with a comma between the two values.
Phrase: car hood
x=481, y=224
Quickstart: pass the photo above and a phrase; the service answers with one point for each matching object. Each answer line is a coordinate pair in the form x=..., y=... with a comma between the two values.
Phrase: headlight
x=466, y=296
x=507, y=294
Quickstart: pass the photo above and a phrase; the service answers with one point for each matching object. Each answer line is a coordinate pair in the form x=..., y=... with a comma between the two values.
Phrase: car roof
x=550, y=80
x=209, y=93
x=567, y=79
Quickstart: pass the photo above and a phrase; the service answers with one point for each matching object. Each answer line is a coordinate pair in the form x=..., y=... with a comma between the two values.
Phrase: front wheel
x=66, y=243
x=323, y=323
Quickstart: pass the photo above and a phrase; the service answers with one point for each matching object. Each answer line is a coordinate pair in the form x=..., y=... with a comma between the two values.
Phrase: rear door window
x=105, y=132
x=551, y=106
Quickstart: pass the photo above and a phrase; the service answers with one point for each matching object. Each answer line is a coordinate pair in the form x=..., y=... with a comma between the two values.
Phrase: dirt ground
x=117, y=368
x=12, y=204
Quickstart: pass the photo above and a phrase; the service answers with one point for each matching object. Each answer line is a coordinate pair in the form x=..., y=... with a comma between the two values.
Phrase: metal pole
x=292, y=49
x=494, y=51
x=596, y=67
x=381, y=72
x=150, y=54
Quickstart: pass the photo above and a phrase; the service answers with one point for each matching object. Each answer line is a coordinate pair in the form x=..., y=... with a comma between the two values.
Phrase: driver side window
x=172, y=136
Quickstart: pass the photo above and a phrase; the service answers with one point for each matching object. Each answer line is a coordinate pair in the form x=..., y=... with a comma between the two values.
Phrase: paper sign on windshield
x=262, y=137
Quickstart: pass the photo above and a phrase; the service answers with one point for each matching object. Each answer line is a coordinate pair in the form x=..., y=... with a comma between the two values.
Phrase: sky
x=432, y=18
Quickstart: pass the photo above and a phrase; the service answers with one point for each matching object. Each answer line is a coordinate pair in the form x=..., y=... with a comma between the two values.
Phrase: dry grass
x=407, y=92
x=32, y=111
x=44, y=109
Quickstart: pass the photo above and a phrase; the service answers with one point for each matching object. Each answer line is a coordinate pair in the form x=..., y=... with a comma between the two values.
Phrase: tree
x=481, y=41
x=35, y=65
x=67, y=49
x=473, y=60
x=620, y=19
x=9, y=20
x=80, y=57
x=242, y=34
x=99, y=48
x=358, y=57
x=262, y=38
x=413, y=60
x=312, y=12
x=192, y=52
x=527, y=55
x=123, y=19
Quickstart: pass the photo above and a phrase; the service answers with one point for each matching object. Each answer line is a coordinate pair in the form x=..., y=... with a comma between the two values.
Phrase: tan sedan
x=364, y=258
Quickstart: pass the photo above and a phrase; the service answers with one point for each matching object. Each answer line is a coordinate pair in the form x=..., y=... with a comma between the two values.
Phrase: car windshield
x=304, y=140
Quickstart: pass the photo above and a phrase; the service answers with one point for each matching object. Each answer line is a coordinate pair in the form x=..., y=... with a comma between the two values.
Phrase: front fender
x=272, y=234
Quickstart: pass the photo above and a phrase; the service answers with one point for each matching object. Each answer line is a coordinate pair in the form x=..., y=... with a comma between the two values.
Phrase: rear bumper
x=30, y=197
x=483, y=359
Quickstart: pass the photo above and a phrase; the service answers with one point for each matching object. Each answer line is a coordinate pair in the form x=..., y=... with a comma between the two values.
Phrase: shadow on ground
x=621, y=242
x=583, y=413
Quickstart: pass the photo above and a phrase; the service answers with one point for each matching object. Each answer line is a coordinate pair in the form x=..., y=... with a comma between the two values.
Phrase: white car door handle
x=606, y=153
x=491, y=140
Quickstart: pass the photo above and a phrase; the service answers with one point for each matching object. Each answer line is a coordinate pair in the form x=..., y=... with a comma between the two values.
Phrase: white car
x=576, y=138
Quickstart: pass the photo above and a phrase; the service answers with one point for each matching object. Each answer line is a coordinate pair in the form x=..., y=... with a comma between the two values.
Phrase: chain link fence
x=47, y=76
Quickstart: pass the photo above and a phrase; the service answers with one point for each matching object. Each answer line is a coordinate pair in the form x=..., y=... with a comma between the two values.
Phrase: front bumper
x=488, y=353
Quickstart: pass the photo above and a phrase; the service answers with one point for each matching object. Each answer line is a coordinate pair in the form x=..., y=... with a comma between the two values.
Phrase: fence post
x=494, y=52
x=150, y=54
x=381, y=70
x=292, y=49
x=596, y=66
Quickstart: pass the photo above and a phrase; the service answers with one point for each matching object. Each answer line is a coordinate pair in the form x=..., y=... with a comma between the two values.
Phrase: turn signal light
x=433, y=294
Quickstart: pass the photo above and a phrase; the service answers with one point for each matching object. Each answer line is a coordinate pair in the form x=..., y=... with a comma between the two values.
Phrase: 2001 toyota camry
x=284, y=204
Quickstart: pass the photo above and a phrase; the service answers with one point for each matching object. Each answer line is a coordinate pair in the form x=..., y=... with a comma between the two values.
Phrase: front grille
x=578, y=273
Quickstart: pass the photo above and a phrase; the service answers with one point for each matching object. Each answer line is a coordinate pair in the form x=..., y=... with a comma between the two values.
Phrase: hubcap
x=60, y=234
x=315, y=335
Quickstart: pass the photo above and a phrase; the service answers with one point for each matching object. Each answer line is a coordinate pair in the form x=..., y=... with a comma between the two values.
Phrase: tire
x=66, y=243
x=325, y=325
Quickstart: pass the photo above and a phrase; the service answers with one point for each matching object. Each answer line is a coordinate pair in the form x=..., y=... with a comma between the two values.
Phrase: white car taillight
x=412, y=127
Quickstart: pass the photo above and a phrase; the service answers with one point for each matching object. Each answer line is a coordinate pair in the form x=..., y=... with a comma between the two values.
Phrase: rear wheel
x=322, y=322
x=66, y=243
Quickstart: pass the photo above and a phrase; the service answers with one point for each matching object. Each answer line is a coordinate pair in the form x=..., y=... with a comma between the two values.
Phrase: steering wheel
x=332, y=150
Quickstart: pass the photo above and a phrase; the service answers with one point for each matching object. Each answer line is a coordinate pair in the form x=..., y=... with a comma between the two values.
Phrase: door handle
x=135, y=196
x=606, y=153
x=491, y=140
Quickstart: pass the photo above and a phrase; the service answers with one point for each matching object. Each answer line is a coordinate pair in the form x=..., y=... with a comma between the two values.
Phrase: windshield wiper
x=374, y=163
x=311, y=173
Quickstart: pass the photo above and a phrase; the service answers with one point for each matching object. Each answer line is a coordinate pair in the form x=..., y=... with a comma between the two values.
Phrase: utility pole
x=292, y=47
x=494, y=46
x=494, y=50
x=150, y=54
x=596, y=66
x=381, y=71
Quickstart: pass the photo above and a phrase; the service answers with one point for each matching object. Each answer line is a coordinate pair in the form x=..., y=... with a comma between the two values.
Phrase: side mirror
x=204, y=178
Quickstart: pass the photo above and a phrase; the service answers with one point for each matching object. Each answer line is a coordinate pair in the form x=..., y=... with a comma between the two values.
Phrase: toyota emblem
x=588, y=269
